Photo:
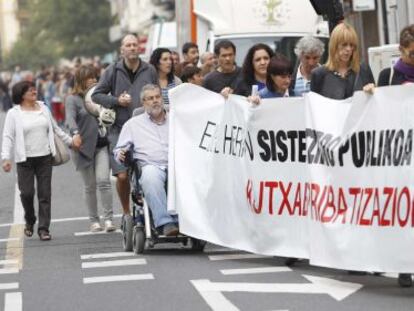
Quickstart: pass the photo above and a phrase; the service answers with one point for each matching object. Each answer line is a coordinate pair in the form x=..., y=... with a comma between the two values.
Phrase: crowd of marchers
x=135, y=96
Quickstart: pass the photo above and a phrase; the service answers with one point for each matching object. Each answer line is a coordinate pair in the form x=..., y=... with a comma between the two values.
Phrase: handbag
x=106, y=117
x=62, y=153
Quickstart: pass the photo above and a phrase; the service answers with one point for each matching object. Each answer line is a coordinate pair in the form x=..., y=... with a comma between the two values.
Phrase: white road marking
x=14, y=248
x=13, y=301
x=78, y=218
x=10, y=224
x=235, y=256
x=9, y=285
x=18, y=212
x=96, y=233
x=9, y=271
x=214, y=298
x=9, y=240
x=53, y=220
x=106, y=255
x=118, y=278
x=9, y=262
x=255, y=270
x=114, y=263
x=212, y=291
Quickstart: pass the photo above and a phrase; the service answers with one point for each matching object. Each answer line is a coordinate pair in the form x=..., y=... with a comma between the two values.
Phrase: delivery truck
x=278, y=23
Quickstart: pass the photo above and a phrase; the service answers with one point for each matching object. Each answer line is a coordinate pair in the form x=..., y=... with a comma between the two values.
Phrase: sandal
x=28, y=230
x=44, y=236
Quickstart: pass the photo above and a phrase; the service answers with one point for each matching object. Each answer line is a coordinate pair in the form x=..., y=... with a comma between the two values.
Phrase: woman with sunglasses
x=402, y=73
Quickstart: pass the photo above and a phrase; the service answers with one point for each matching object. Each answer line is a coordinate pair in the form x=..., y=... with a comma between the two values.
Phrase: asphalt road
x=80, y=271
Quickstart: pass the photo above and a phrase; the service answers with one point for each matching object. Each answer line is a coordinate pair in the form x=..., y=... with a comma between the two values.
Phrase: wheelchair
x=138, y=231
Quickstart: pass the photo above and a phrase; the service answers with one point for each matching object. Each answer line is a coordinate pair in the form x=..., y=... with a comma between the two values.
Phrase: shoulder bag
x=62, y=153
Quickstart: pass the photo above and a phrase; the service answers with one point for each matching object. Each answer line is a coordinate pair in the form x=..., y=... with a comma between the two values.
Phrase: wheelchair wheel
x=197, y=245
x=139, y=240
x=127, y=232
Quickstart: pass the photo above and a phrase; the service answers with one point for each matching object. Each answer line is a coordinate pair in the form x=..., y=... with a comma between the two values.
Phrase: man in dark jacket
x=119, y=88
x=225, y=77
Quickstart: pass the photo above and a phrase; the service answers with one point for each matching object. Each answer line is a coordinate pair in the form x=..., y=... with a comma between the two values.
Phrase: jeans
x=41, y=168
x=98, y=176
x=153, y=180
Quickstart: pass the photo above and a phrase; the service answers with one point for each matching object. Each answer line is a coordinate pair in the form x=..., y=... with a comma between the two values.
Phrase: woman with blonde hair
x=92, y=159
x=343, y=74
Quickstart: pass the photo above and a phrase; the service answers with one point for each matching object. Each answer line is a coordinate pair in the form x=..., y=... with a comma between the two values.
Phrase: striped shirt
x=302, y=85
x=164, y=92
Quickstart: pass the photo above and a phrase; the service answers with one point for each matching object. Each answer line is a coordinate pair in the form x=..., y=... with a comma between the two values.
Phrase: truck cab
x=278, y=23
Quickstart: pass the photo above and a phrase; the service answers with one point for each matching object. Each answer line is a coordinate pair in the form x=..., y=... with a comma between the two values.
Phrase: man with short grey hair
x=148, y=134
x=119, y=88
x=309, y=51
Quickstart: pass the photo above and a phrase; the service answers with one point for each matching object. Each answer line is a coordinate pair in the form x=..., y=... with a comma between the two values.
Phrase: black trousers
x=41, y=169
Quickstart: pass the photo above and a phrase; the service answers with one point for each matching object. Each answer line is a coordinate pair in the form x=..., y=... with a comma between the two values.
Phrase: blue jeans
x=153, y=179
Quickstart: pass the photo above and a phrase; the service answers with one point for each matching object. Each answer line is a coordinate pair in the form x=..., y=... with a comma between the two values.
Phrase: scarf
x=405, y=69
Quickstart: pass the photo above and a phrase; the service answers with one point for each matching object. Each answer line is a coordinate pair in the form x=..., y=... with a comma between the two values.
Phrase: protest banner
x=328, y=180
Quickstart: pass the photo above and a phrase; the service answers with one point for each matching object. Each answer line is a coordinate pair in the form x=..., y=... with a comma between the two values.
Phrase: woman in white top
x=29, y=130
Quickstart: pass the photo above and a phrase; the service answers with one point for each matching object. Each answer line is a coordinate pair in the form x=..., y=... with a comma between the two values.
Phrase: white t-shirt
x=35, y=131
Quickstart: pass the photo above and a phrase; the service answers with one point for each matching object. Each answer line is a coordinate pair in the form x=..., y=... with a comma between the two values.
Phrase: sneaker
x=405, y=280
x=170, y=229
x=96, y=227
x=109, y=226
x=44, y=235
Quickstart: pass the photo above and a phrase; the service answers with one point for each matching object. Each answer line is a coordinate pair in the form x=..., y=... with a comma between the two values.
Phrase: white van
x=278, y=23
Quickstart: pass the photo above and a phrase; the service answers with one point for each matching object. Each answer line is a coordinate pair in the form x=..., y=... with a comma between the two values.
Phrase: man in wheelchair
x=148, y=134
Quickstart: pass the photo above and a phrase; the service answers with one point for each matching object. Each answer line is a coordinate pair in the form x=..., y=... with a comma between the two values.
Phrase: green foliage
x=62, y=29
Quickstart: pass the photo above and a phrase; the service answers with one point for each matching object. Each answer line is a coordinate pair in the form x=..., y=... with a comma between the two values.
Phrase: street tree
x=62, y=29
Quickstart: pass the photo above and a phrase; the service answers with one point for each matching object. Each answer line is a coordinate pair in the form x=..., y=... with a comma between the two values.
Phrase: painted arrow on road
x=212, y=291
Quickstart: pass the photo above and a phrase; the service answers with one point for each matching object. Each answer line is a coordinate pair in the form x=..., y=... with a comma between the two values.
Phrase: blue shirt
x=266, y=93
x=302, y=86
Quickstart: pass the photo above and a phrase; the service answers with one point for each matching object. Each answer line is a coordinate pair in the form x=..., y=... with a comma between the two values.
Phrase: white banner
x=328, y=180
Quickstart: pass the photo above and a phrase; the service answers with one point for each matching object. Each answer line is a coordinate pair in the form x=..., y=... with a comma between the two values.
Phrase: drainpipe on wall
x=385, y=22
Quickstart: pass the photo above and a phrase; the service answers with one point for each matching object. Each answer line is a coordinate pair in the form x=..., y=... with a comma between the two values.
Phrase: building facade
x=9, y=25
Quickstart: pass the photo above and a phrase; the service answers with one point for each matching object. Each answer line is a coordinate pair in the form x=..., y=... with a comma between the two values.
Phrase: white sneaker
x=109, y=226
x=96, y=227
